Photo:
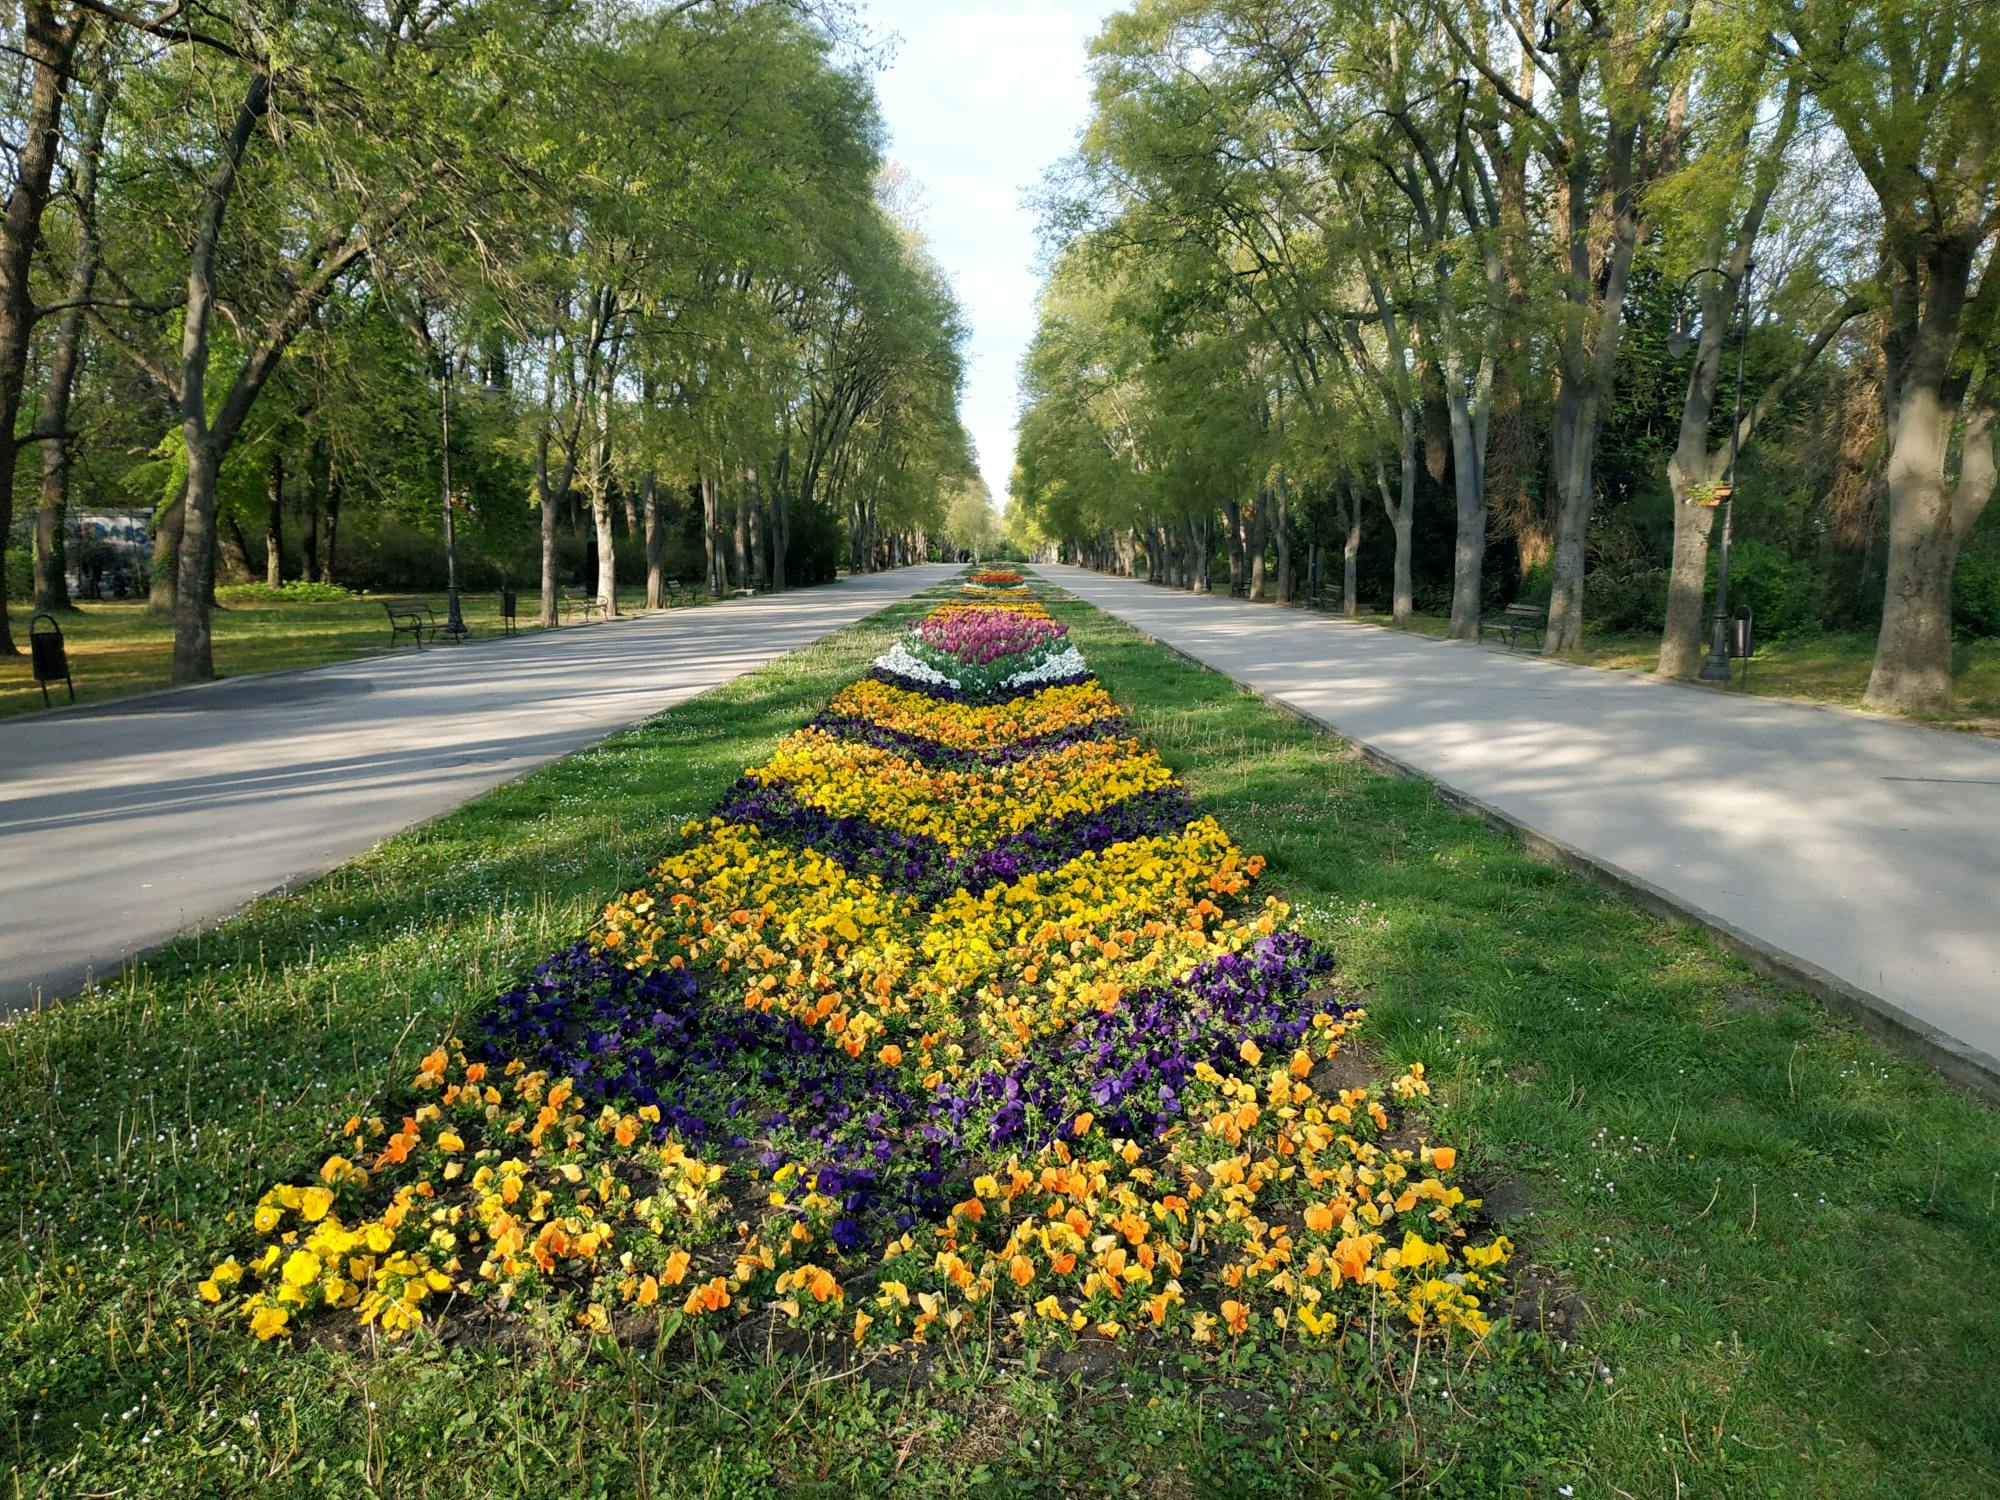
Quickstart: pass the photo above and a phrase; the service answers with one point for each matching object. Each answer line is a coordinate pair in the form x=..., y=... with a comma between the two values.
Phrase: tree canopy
x=1311, y=251
x=622, y=287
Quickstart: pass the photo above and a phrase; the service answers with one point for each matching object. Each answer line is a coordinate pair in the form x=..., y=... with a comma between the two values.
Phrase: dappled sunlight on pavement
x=126, y=823
x=1863, y=847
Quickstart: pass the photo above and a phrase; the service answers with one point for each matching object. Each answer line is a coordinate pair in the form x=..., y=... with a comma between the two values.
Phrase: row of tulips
x=956, y=1014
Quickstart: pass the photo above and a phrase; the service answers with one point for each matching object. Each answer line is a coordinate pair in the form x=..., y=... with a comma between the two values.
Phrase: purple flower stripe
x=1132, y=1066
x=922, y=868
x=723, y=1074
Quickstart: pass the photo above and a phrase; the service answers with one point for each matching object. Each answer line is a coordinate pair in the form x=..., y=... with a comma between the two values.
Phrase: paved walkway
x=124, y=824
x=1859, y=854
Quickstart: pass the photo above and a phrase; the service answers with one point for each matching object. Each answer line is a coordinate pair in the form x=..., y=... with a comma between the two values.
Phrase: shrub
x=1975, y=587
x=1625, y=598
x=1788, y=594
x=297, y=591
x=20, y=573
x=1538, y=585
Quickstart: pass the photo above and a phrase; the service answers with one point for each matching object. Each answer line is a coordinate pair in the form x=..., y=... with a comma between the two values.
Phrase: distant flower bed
x=956, y=1015
x=995, y=578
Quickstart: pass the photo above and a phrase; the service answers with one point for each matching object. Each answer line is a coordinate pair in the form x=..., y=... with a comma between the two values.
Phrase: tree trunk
x=309, y=568
x=1929, y=519
x=1283, y=537
x=781, y=530
x=1930, y=516
x=1576, y=431
x=1350, y=561
x=1197, y=538
x=740, y=538
x=51, y=542
x=1232, y=536
x=711, y=536
x=649, y=512
x=166, y=558
x=1260, y=527
x=242, y=545
x=52, y=426
x=607, y=556
x=754, y=511
x=329, y=534
x=1469, y=488
x=1691, y=466
x=309, y=521
x=1402, y=515
x=1687, y=584
x=194, y=585
x=48, y=44
x=207, y=439
x=545, y=497
x=274, y=523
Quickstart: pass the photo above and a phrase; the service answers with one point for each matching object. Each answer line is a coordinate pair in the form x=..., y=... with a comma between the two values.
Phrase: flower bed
x=957, y=1014
x=982, y=580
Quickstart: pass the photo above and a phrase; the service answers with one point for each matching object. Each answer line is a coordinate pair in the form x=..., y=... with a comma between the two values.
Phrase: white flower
x=898, y=659
x=1067, y=662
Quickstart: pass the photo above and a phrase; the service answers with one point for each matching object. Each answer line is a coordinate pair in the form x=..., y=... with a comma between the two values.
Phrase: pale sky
x=981, y=96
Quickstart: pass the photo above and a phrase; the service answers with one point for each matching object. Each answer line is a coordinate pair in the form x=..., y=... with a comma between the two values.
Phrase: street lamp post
x=1716, y=668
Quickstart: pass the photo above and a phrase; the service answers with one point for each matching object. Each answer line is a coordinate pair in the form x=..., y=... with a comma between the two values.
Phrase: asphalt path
x=125, y=824
x=1855, y=853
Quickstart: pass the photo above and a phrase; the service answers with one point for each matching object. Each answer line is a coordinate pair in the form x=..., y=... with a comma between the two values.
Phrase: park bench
x=1239, y=590
x=410, y=617
x=580, y=599
x=1516, y=621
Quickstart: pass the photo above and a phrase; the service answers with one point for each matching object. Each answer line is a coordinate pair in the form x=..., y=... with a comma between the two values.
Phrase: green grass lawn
x=1829, y=668
x=118, y=648
x=1765, y=1243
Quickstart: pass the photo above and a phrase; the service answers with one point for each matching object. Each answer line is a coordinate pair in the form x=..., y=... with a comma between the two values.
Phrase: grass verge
x=1759, y=1237
x=1828, y=668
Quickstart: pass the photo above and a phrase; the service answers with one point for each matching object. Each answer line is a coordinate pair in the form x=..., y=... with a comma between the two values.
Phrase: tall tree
x=1915, y=90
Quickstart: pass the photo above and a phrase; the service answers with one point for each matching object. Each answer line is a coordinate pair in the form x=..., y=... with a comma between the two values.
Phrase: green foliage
x=20, y=577
x=293, y=591
x=1293, y=231
x=1627, y=597
x=1975, y=584
x=1789, y=594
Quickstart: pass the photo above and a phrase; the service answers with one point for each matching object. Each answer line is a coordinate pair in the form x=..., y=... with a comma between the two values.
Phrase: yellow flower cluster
x=1281, y=1210
x=1039, y=952
x=500, y=1181
x=1033, y=609
x=960, y=809
x=800, y=933
x=963, y=726
x=840, y=951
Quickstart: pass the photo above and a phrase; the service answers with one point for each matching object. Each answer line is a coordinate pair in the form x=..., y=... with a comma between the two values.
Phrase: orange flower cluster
x=500, y=1182
x=1285, y=1210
